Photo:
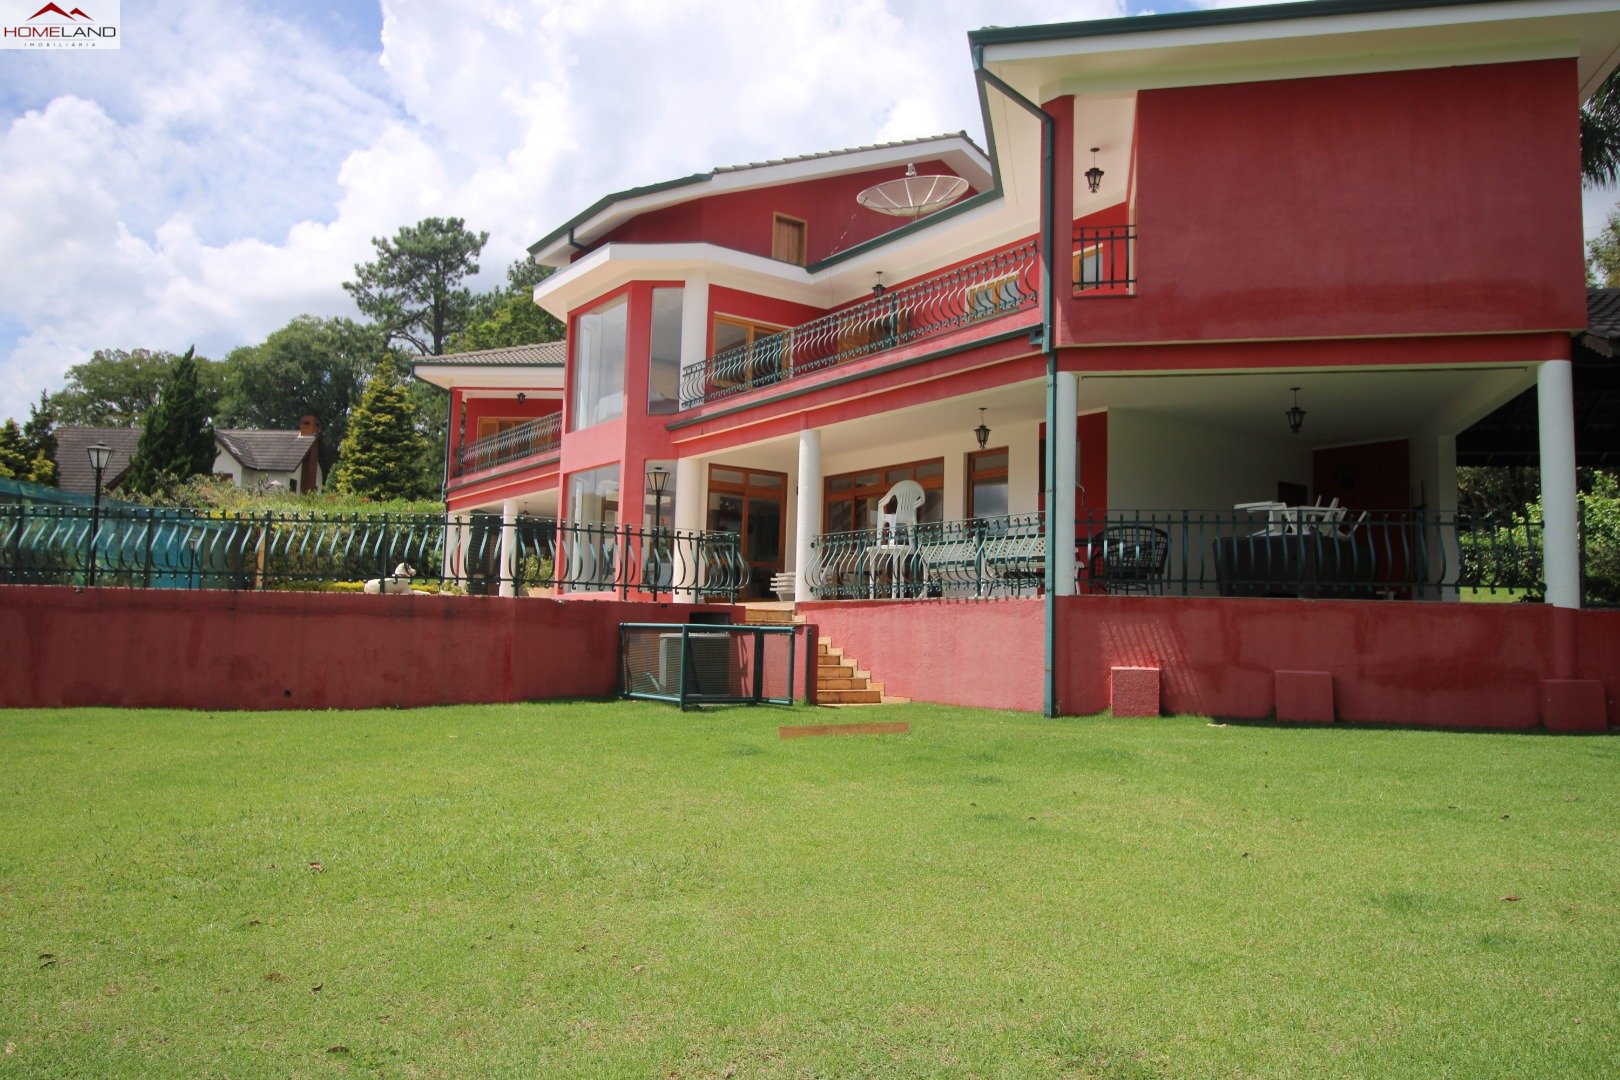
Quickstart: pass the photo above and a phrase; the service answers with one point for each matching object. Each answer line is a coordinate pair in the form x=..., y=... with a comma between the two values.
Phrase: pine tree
x=381, y=456
x=39, y=441
x=177, y=441
x=13, y=462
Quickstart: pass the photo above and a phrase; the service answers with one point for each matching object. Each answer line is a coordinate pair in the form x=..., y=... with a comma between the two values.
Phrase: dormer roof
x=957, y=150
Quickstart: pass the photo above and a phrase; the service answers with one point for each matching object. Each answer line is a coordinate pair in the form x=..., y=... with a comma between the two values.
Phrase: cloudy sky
x=226, y=169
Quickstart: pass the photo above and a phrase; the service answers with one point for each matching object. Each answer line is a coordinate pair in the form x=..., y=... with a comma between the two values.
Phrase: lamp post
x=100, y=453
x=658, y=480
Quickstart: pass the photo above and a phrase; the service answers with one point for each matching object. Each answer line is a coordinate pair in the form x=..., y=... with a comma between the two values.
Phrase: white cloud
x=183, y=192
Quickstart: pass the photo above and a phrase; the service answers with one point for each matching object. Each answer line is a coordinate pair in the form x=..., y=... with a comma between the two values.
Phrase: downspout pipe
x=1049, y=345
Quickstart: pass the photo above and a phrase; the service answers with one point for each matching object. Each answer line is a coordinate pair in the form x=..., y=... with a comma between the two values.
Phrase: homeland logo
x=53, y=27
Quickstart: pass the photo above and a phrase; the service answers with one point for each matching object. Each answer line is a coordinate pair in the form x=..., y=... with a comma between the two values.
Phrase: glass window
x=987, y=483
x=664, y=359
x=593, y=496
x=852, y=498
x=748, y=352
x=598, y=372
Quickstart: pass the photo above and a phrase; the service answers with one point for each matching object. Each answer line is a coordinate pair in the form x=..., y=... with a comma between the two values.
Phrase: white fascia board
x=962, y=155
x=514, y=376
x=1320, y=45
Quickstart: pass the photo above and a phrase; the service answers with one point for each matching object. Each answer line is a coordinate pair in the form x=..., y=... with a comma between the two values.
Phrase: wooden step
x=768, y=616
x=850, y=697
x=840, y=680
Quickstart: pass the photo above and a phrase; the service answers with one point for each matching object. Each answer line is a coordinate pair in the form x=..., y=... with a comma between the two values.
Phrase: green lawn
x=614, y=889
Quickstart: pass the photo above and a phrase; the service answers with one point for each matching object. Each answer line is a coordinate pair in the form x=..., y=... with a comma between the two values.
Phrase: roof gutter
x=1048, y=345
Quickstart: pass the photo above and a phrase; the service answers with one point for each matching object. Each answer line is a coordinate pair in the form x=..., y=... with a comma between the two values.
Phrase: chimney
x=308, y=425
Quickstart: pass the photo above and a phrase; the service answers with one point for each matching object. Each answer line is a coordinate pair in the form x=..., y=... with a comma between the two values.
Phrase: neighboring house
x=248, y=458
x=1376, y=203
x=264, y=458
x=73, y=471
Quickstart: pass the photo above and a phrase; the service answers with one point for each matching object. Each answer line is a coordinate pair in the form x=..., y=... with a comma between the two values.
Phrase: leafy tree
x=382, y=455
x=177, y=441
x=1603, y=254
x=413, y=289
x=13, y=462
x=1600, y=135
x=117, y=388
x=310, y=367
x=509, y=316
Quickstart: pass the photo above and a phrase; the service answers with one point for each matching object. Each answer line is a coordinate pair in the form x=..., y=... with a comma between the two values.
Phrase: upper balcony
x=995, y=285
x=533, y=438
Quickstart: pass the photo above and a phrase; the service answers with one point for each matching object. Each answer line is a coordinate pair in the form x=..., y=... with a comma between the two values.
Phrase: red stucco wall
x=1426, y=664
x=983, y=653
x=1413, y=202
x=743, y=219
x=229, y=650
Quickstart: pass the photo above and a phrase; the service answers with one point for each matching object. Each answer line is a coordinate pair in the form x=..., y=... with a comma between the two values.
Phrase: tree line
x=383, y=431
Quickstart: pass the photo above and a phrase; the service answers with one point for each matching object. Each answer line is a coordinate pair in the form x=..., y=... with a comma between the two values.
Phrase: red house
x=1204, y=321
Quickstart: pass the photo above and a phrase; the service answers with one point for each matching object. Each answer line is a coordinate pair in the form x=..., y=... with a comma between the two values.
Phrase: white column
x=694, y=324
x=688, y=519
x=1060, y=516
x=508, y=561
x=1560, y=550
x=809, y=516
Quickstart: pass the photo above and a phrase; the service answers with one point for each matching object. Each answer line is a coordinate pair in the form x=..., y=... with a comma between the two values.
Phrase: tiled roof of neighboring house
x=850, y=150
x=1602, y=320
x=267, y=451
x=73, y=459
x=545, y=354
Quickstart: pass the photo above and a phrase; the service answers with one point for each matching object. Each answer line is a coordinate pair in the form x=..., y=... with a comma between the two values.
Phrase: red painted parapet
x=235, y=650
x=1507, y=666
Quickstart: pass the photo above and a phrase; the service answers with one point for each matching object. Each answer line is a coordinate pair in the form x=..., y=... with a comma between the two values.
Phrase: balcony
x=542, y=436
x=1407, y=554
x=1105, y=260
x=988, y=288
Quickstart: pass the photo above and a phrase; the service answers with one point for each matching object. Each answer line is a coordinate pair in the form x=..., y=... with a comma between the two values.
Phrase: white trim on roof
x=1416, y=37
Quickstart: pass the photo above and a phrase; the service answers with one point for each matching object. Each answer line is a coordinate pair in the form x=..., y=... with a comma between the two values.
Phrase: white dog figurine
x=400, y=582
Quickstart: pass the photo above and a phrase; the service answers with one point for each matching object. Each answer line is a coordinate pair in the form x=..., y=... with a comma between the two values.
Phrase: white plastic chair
x=896, y=509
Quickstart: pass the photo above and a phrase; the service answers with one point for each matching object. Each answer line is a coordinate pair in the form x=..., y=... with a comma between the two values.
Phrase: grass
x=615, y=889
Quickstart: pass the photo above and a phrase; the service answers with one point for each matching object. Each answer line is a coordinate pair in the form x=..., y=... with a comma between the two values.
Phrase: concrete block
x=1574, y=705
x=1304, y=697
x=1135, y=691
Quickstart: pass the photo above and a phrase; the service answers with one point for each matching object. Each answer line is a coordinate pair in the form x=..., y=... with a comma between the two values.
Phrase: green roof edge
x=1184, y=20
x=608, y=200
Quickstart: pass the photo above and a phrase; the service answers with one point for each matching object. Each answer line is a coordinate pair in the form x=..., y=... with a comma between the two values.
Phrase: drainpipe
x=1049, y=345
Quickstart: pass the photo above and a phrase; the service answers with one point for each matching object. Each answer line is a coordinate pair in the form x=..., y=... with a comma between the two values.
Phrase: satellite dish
x=912, y=195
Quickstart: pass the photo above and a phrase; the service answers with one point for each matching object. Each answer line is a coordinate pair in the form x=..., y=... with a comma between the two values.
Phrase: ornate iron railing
x=980, y=557
x=1315, y=553
x=996, y=285
x=531, y=437
x=145, y=547
x=1105, y=259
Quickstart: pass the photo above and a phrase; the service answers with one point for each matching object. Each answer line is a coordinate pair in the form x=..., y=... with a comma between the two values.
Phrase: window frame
x=756, y=368
x=855, y=494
